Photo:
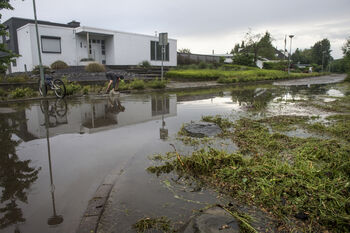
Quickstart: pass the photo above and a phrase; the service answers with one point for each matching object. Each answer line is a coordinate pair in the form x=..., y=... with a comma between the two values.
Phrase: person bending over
x=115, y=79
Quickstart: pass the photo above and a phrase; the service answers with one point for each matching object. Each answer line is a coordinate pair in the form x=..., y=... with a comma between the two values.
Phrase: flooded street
x=55, y=154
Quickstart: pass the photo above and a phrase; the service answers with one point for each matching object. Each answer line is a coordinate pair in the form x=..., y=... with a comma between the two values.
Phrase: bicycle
x=54, y=84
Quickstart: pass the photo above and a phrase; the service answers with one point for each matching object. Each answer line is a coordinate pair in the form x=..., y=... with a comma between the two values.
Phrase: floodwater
x=54, y=154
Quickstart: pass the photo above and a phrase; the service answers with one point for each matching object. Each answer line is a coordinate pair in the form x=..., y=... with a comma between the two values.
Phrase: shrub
x=157, y=84
x=72, y=88
x=23, y=92
x=137, y=84
x=15, y=79
x=95, y=68
x=145, y=64
x=202, y=65
x=123, y=85
x=244, y=59
x=2, y=93
x=86, y=90
x=59, y=65
x=275, y=65
x=36, y=70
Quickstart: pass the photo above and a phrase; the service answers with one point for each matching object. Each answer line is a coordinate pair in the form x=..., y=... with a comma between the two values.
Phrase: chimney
x=74, y=24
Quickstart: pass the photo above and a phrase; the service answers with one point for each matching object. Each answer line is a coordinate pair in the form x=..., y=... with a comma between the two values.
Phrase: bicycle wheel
x=59, y=88
x=40, y=88
x=61, y=107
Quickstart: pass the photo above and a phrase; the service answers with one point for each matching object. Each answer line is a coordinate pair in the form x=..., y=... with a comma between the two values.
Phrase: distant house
x=73, y=44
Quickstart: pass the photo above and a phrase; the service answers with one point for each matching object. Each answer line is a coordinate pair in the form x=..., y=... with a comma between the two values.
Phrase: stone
x=202, y=129
x=213, y=220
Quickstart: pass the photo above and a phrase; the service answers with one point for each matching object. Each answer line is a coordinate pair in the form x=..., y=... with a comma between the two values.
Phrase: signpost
x=163, y=41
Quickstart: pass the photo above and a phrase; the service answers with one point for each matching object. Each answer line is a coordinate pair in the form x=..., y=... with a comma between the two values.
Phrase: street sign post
x=163, y=41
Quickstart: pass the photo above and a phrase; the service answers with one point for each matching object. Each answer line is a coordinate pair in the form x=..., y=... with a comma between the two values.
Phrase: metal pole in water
x=290, y=52
x=162, y=60
x=38, y=43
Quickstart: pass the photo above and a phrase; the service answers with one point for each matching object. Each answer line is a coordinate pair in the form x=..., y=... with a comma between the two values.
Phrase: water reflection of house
x=94, y=116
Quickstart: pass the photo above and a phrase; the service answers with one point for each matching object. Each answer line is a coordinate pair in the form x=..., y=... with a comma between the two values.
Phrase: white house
x=73, y=44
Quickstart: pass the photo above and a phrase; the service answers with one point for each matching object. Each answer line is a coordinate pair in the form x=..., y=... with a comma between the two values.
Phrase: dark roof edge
x=41, y=22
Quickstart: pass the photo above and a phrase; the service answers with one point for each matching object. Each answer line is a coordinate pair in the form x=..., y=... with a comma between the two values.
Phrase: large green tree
x=302, y=56
x=321, y=52
x=266, y=48
x=257, y=45
x=6, y=55
x=346, y=49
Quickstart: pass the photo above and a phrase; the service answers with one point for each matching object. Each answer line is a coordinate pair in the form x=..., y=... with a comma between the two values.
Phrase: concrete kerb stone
x=97, y=204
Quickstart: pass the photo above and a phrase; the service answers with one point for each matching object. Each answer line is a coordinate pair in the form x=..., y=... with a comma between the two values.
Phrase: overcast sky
x=205, y=25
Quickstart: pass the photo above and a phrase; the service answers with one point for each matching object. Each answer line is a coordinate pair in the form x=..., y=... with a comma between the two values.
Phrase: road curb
x=97, y=203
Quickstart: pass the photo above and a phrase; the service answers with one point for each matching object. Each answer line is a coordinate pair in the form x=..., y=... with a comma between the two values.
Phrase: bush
x=244, y=59
x=226, y=76
x=157, y=84
x=86, y=90
x=72, y=88
x=145, y=64
x=95, y=68
x=15, y=79
x=282, y=65
x=202, y=65
x=2, y=93
x=59, y=65
x=123, y=85
x=36, y=70
x=137, y=84
x=23, y=92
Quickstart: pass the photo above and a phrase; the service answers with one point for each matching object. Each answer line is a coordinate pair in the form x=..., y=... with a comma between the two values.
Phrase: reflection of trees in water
x=255, y=99
x=16, y=176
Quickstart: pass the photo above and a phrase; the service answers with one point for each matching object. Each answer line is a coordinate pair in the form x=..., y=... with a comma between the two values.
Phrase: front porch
x=95, y=45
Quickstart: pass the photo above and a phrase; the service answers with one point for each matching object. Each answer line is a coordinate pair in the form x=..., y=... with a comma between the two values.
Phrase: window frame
x=51, y=37
x=156, y=51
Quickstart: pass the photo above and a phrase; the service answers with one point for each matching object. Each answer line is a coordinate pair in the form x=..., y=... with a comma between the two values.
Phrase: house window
x=14, y=63
x=103, y=47
x=156, y=51
x=7, y=35
x=50, y=44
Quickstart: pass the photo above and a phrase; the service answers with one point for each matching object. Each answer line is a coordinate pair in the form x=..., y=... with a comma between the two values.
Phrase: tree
x=244, y=59
x=252, y=43
x=302, y=56
x=346, y=49
x=235, y=49
x=6, y=56
x=16, y=176
x=184, y=50
x=321, y=52
x=266, y=49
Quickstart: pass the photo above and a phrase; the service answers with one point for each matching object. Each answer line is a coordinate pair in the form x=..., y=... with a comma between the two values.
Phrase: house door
x=96, y=51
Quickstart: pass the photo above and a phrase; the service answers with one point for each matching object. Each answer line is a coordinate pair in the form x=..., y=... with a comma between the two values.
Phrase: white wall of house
x=121, y=48
x=132, y=49
x=27, y=46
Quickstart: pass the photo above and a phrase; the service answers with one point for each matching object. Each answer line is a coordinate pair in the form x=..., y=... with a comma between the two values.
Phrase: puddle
x=56, y=154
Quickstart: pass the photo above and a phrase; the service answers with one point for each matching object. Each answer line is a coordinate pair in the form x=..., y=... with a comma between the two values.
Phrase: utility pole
x=39, y=53
x=290, y=52
x=163, y=41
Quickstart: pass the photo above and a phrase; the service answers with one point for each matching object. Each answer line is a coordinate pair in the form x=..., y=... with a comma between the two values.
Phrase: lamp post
x=290, y=52
x=42, y=82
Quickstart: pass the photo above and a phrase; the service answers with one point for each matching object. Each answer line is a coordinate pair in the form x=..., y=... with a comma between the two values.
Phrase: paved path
x=311, y=81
